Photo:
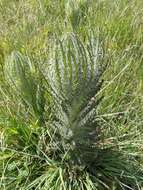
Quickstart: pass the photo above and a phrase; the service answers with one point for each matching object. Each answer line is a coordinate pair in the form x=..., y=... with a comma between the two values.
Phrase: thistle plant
x=74, y=77
x=64, y=149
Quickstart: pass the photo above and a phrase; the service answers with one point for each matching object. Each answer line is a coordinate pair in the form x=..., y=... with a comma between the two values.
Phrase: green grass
x=42, y=46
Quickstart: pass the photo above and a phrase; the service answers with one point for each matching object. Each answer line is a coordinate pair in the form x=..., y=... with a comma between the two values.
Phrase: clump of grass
x=53, y=137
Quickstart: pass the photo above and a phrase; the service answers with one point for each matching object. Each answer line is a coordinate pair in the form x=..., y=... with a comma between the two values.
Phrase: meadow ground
x=28, y=29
